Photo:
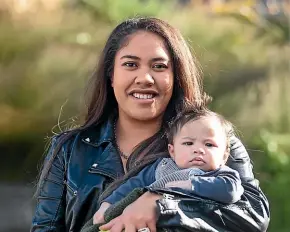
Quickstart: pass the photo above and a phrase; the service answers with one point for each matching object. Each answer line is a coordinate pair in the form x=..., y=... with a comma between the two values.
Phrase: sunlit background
x=48, y=50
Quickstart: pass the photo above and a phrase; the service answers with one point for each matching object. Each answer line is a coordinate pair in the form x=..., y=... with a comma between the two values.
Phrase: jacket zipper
x=70, y=188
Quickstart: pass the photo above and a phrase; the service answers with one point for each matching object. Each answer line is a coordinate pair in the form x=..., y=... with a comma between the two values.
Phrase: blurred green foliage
x=272, y=171
x=47, y=55
x=116, y=10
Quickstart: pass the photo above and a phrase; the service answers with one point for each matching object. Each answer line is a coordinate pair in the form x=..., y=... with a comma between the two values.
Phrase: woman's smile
x=144, y=96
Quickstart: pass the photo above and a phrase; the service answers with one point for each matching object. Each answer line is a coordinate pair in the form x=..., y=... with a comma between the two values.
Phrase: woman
x=145, y=76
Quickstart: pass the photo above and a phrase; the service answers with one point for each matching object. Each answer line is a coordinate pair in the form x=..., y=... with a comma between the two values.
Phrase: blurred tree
x=116, y=10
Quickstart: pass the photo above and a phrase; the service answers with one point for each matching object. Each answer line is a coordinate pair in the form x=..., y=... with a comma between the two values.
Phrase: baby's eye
x=187, y=143
x=209, y=145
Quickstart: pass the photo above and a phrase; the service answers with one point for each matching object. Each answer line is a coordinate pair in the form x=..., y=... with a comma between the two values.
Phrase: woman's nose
x=144, y=78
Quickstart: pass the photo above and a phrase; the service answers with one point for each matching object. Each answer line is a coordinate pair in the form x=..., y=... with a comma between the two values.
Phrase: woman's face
x=143, y=77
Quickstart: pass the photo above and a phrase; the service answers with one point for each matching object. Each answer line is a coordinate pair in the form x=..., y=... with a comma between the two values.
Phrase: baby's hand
x=184, y=184
x=99, y=215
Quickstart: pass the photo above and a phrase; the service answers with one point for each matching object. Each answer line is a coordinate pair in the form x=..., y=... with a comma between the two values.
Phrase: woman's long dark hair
x=101, y=99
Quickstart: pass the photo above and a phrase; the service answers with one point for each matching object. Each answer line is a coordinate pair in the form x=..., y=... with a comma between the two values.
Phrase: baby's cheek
x=216, y=164
x=181, y=164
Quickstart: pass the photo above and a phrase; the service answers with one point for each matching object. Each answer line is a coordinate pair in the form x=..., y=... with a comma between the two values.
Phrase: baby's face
x=201, y=143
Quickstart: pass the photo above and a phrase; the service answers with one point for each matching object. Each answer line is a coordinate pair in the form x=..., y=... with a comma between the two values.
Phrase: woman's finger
x=130, y=228
x=152, y=226
x=109, y=225
x=139, y=225
x=118, y=227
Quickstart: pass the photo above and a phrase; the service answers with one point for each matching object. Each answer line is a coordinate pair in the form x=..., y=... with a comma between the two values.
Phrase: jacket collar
x=99, y=134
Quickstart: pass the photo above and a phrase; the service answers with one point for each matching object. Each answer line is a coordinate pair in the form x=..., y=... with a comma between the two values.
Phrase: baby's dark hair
x=191, y=115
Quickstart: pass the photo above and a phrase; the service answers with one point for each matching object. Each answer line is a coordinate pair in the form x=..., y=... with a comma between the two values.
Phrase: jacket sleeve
x=251, y=213
x=50, y=207
x=223, y=185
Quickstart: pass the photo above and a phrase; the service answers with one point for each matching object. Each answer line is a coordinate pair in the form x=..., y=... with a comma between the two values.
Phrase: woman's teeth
x=142, y=96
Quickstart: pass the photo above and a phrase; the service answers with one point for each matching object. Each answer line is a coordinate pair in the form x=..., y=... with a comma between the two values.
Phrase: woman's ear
x=111, y=76
x=112, y=81
x=171, y=150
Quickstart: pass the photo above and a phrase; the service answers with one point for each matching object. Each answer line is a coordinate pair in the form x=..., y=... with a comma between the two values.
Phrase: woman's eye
x=130, y=64
x=187, y=143
x=159, y=67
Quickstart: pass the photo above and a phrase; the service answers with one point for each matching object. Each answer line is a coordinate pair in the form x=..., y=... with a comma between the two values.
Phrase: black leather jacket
x=88, y=162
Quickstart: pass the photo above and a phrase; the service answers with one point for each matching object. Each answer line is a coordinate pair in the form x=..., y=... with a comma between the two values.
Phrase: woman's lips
x=144, y=98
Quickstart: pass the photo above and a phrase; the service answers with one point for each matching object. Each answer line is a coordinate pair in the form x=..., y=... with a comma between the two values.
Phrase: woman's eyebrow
x=138, y=58
x=130, y=57
x=159, y=59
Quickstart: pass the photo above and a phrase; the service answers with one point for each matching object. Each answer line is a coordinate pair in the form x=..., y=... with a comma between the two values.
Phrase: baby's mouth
x=197, y=159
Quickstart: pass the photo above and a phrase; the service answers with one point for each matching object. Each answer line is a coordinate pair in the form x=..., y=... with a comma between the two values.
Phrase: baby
x=199, y=145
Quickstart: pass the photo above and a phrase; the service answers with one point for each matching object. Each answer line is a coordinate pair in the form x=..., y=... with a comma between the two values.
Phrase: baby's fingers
x=186, y=184
x=98, y=218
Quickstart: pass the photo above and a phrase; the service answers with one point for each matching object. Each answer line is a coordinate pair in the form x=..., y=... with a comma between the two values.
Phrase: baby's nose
x=199, y=150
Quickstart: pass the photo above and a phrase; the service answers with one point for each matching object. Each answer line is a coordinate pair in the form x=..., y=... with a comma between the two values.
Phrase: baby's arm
x=144, y=178
x=223, y=185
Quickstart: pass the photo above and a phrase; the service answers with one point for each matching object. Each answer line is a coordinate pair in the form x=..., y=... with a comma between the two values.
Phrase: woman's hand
x=99, y=215
x=138, y=215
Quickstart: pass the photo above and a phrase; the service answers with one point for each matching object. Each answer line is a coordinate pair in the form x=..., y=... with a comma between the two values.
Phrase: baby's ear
x=227, y=152
x=171, y=150
x=226, y=156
